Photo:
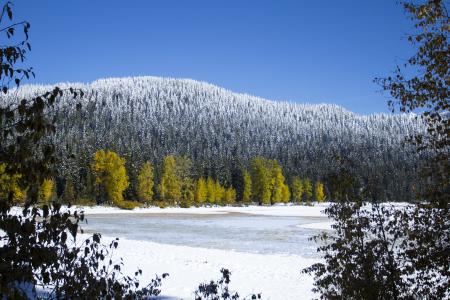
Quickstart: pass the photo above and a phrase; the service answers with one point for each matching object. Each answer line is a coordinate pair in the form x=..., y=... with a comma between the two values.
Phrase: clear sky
x=323, y=51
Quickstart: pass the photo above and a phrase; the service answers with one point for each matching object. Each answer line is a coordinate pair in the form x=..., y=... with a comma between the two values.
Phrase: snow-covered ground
x=258, y=244
x=276, y=276
x=265, y=248
x=276, y=210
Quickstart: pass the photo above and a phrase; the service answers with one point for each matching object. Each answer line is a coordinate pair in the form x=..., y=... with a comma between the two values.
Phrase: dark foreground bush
x=218, y=290
x=40, y=257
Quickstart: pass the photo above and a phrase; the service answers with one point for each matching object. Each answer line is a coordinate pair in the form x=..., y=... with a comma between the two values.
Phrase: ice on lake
x=231, y=231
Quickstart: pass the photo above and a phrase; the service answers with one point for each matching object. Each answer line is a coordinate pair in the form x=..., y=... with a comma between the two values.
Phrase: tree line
x=172, y=183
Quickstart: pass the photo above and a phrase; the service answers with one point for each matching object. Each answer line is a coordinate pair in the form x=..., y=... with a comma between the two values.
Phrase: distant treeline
x=172, y=183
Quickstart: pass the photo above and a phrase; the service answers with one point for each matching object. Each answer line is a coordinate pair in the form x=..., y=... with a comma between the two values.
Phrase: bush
x=85, y=202
x=218, y=290
x=124, y=204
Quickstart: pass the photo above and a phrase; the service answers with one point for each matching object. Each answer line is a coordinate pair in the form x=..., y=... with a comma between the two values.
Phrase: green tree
x=187, y=184
x=200, y=191
x=110, y=174
x=366, y=257
x=187, y=198
x=261, y=180
x=145, y=182
x=169, y=187
x=247, y=191
x=307, y=190
x=69, y=195
x=297, y=189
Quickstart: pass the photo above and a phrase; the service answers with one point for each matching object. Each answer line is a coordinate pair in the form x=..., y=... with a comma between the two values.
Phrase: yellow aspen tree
x=9, y=186
x=219, y=192
x=229, y=196
x=277, y=182
x=200, y=191
x=210, y=191
x=319, y=192
x=145, y=183
x=297, y=189
x=46, y=190
x=285, y=193
x=170, y=186
x=110, y=174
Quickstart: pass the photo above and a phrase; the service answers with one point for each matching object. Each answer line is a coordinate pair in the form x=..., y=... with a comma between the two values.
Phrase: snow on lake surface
x=264, y=247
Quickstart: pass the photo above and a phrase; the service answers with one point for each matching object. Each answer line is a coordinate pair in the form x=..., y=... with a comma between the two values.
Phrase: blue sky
x=300, y=51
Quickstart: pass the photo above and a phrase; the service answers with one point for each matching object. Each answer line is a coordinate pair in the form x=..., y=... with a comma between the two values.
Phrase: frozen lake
x=264, y=247
x=241, y=232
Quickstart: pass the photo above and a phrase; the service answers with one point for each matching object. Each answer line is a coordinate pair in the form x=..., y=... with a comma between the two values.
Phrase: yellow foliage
x=210, y=191
x=297, y=189
x=285, y=193
x=200, y=191
x=145, y=183
x=46, y=191
x=319, y=192
x=110, y=173
x=9, y=186
x=229, y=196
x=169, y=187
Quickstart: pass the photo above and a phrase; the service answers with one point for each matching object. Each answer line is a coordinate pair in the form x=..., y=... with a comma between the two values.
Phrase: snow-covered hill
x=145, y=118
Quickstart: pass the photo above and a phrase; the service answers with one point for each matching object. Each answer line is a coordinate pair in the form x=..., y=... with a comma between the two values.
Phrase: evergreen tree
x=319, y=192
x=297, y=189
x=110, y=175
x=247, y=190
x=169, y=187
x=145, y=183
x=69, y=192
x=200, y=191
x=187, y=192
x=187, y=184
x=307, y=190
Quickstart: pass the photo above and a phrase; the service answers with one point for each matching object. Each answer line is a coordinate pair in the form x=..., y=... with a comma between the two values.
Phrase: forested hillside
x=147, y=118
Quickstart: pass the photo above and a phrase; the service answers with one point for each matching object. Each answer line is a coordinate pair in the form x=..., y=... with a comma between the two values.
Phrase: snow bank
x=318, y=225
x=275, y=276
x=276, y=210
